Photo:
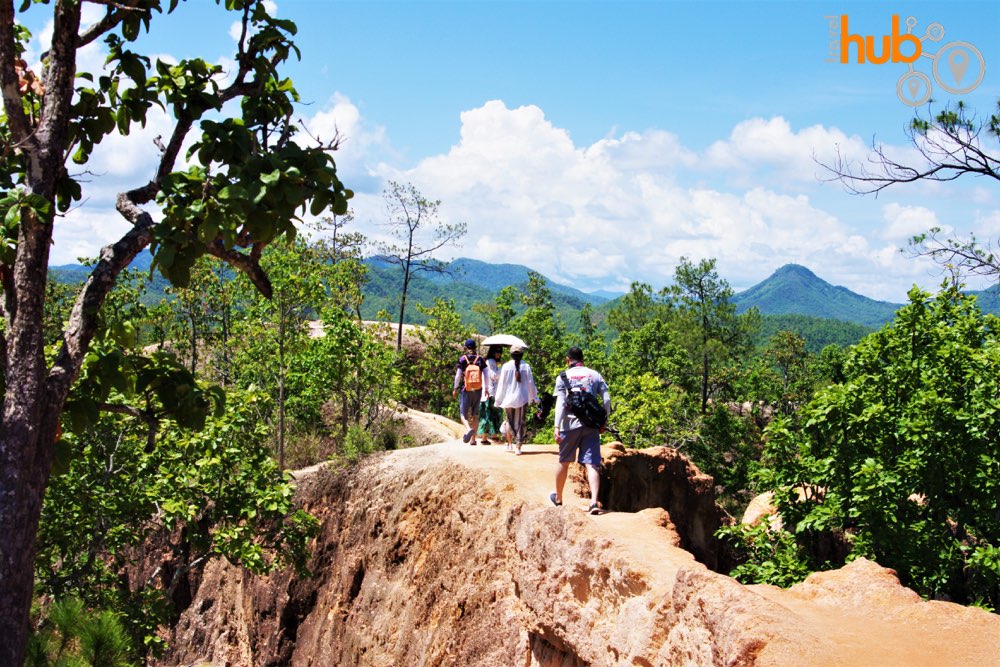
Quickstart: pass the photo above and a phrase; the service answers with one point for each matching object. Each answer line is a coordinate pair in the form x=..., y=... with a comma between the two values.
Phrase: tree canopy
x=242, y=183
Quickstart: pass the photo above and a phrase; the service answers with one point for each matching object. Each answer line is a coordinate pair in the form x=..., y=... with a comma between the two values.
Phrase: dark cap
x=470, y=344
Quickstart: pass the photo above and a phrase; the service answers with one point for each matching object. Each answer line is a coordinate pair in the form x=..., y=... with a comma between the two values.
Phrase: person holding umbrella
x=515, y=390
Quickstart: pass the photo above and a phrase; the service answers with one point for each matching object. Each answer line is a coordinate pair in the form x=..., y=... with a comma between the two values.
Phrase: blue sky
x=598, y=142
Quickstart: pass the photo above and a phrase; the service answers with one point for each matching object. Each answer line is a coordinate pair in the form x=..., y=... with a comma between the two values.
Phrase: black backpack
x=585, y=406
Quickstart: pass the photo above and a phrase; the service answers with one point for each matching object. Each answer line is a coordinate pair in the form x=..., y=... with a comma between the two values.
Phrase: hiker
x=489, y=414
x=469, y=378
x=576, y=439
x=515, y=390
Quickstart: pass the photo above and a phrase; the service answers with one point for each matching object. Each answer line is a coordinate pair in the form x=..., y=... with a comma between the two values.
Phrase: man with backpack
x=469, y=377
x=583, y=403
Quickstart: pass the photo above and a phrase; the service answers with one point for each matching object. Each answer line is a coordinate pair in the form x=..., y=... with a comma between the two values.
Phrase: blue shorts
x=468, y=403
x=582, y=444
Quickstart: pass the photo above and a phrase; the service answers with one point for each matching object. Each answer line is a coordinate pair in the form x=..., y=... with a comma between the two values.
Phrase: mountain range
x=792, y=297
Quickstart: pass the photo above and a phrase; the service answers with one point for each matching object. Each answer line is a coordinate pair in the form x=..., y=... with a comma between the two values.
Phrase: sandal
x=555, y=501
x=595, y=509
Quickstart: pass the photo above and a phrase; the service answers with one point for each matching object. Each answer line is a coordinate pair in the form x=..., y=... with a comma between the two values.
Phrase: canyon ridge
x=447, y=554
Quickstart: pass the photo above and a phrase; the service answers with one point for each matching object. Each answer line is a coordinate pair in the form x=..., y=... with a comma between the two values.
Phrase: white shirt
x=591, y=381
x=510, y=392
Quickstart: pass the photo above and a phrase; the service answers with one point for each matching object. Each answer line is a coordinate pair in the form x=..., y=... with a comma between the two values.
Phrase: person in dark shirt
x=470, y=383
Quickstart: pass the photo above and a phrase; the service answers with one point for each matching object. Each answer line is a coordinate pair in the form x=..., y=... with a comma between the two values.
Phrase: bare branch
x=958, y=256
x=331, y=145
x=949, y=146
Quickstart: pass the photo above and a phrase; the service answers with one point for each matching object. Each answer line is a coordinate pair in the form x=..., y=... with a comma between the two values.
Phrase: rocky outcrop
x=452, y=555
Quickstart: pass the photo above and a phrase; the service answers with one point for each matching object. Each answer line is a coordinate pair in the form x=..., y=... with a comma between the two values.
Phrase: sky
x=600, y=142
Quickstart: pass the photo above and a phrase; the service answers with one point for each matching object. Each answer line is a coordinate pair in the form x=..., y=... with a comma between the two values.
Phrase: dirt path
x=858, y=614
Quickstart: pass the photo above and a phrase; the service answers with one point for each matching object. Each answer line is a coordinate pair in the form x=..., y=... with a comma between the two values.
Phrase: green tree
x=414, y=224
x=712, y=332
x=217, y=493
x=344, y=252
x=902, y=458
x=540, y=326
x=192, y=316
x=247, y=180
x=349, y=370
x=787, y=355
x=68, y=634
x=637, y=308
x=500, y=313
x=434, y=371
x=275, y=329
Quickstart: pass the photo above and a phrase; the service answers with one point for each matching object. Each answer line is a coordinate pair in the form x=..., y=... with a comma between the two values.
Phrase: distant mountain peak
x=795, y=270
x=794, y=289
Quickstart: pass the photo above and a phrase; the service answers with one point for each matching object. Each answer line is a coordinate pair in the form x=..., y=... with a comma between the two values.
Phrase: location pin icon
x=914, y=86
x=958, y=63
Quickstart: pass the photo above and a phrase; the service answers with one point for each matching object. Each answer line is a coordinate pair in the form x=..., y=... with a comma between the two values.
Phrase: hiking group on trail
x=582, y=406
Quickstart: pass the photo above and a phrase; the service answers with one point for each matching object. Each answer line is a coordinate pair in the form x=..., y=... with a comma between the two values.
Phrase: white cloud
x=987, y=223
x=600, y=216
x=620, y=210
x=788, y=156
x=83, y=231
x=905, y=222
x=362, y=144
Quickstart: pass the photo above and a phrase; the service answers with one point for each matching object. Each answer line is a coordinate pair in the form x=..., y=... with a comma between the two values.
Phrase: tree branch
x=21, y=129
x=247, y=263
x=58, y=79
x=957, y=256
x=83, y=318
x=949, y=145
x=116, y=12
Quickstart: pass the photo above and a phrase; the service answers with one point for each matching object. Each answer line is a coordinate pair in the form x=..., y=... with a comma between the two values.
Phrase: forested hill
x=793, y=297
x=467, y=282
x=794, y=289
x=491, y=277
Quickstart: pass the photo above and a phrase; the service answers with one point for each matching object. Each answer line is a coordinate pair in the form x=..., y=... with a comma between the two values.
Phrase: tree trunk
x=26, y=437
x=281, y=390
x=402, y=308
x=226, y=314
x=194, y=343
x=704, y=358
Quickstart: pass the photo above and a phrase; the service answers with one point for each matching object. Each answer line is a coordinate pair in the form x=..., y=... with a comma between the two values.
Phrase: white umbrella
x=505, y=340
